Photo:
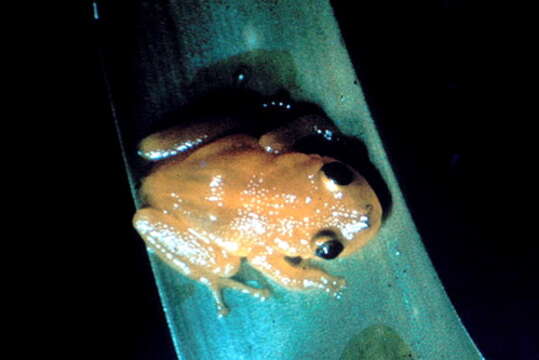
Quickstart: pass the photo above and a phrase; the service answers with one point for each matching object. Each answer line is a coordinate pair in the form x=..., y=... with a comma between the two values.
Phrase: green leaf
x=394, y=306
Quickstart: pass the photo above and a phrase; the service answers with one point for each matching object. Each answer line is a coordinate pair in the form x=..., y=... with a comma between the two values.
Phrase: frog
x=213, y=201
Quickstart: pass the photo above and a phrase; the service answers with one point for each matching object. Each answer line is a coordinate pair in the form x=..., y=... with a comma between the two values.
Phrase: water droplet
x=242, y=75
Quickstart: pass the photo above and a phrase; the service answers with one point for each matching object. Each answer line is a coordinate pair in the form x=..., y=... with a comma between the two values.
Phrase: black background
x=447, y=85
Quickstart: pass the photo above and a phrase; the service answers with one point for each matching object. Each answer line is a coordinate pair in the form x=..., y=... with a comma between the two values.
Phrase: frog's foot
x=217, y=285
x=282, y=139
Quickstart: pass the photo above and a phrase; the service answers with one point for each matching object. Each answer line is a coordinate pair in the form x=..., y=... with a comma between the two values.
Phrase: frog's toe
x=337, y=294
x=262, y=294
x=222, y=310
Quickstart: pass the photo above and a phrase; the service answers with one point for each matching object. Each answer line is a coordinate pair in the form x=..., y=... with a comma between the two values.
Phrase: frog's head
x=316, y=207
x=355, y=214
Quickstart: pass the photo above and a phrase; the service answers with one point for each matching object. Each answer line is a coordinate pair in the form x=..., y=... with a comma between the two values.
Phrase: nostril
x=329, y=250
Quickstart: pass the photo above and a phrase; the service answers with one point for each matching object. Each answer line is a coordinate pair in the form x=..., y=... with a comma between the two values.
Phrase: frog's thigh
x=175, y=242
x=185, y=138
x=191, y=254
x=225, y=146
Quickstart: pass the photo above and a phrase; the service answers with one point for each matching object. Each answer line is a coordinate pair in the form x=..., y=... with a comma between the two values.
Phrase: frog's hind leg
x=183, y=139
x=284, y=138
x=191, y=253
x=218, y=284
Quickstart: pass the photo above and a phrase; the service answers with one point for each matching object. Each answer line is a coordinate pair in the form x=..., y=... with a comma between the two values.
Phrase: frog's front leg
x=191, y=253
x=295, y=277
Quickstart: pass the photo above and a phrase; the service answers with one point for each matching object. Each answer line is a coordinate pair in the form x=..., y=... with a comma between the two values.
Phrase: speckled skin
x=239, y=197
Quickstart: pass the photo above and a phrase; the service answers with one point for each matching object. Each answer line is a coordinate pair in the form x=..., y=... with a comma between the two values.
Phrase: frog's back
x=206, y=186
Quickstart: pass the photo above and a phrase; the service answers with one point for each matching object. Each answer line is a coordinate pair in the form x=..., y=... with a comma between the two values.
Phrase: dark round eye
x=338, y=172
x=329, y=250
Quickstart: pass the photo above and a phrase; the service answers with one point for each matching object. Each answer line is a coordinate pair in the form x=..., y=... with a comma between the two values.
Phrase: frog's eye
x=338, y=172
x=329, y=249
